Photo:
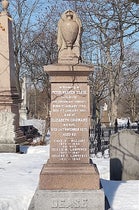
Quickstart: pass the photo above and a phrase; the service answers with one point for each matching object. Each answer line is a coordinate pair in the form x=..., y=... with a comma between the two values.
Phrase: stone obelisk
x=9, y=98
x=68, y=180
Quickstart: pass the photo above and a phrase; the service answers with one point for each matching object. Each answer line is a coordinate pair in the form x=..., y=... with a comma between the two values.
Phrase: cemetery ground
x=19, y=176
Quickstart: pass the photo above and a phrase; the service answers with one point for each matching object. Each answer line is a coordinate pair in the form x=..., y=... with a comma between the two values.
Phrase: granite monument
x=68, y=180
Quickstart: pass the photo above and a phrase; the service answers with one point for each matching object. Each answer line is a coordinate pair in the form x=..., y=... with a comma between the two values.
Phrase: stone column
x=9, y=98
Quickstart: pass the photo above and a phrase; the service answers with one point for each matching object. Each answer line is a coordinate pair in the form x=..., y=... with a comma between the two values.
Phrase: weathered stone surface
x=124, y=155
x=7, y=132
x=62, y=199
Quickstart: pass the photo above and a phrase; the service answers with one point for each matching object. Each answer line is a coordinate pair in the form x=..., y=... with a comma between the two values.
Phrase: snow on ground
x=19, y=176
x=122, y=195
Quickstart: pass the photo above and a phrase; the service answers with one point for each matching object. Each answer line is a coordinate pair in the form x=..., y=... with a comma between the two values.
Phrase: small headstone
x=124, y=155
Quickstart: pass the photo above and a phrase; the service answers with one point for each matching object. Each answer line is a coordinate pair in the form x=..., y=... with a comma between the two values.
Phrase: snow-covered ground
x=19, y=176
x=122, y=122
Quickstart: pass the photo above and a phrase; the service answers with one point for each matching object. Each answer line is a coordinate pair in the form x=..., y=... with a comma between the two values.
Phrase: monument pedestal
x=68, y=199
x=70, y=177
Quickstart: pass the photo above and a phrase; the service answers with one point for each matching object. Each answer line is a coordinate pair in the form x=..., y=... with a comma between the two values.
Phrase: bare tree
x=129, y=86
x=109, y=26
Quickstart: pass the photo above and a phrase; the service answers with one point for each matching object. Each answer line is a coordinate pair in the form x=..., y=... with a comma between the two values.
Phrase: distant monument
x=10, y=135
x=23, y=110
x=105, y=120
x=68, y=180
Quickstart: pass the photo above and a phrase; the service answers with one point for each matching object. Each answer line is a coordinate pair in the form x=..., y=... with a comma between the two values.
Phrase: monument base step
x=9, y=148
x=68, y=199
x=69, y=176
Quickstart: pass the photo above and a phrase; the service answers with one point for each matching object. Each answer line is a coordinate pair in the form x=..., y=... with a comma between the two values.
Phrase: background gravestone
x=23, y=108
x=124, y=155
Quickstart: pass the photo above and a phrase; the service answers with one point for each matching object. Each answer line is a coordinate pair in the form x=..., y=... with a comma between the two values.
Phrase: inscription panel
x=69, y=123
x=69, y=203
